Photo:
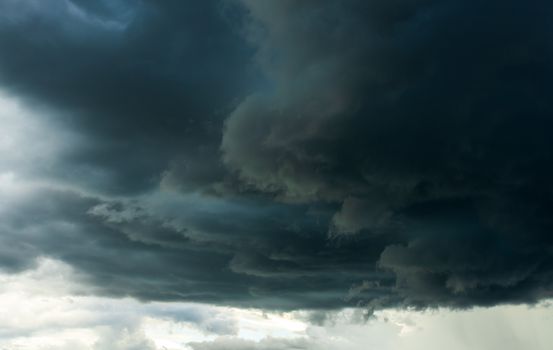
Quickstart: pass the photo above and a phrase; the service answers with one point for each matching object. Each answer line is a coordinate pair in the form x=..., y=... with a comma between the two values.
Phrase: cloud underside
x=283, y=154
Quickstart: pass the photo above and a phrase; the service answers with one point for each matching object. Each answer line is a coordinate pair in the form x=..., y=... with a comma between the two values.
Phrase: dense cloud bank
x=287, y=154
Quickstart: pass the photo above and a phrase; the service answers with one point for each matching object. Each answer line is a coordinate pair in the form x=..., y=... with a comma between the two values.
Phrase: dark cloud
x=428, y=119
x=148, y=82
x=246, y=254
x=286, y=154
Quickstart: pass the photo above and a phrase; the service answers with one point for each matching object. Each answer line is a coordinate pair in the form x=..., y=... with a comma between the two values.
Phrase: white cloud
x=45, y=309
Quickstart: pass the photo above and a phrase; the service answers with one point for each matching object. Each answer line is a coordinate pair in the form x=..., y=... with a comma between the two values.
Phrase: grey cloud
x=123, y=339
x=239, y=257
x=460, y=261
x=145, y=81
x=356, y=215
x=356, y=109
x=286, y=154
x=265, y=344
x=423, y=119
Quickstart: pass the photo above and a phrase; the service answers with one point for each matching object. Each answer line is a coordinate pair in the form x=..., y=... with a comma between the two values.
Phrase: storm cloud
x=282, y=154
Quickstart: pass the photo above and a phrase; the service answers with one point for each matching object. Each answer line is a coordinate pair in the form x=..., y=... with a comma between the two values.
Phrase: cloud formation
x=281, y=154
x=423, y=118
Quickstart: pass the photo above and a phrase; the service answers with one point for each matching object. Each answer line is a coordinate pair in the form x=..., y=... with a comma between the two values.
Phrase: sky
x=276, y=174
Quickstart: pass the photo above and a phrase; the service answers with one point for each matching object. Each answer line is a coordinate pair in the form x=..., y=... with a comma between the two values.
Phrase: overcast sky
x=276, y=174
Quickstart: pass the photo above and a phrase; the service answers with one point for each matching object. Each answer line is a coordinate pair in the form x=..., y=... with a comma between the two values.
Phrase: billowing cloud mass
x=281, y=154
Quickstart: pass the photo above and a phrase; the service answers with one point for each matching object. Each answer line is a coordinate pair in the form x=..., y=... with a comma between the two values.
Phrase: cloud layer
x=281, y=154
